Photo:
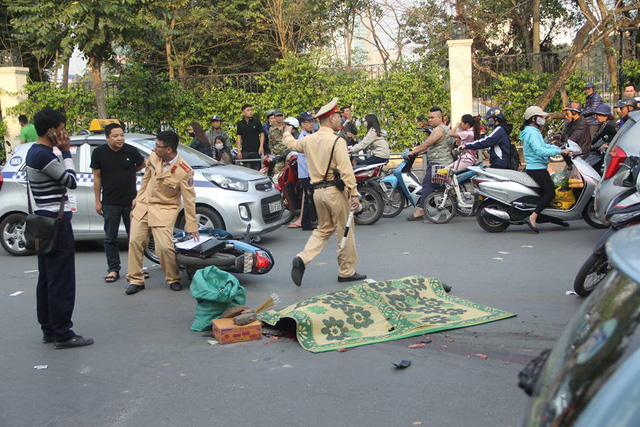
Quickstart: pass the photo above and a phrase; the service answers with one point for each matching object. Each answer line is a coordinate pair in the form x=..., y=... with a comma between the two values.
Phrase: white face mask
x=219, y=146
x=541, y=121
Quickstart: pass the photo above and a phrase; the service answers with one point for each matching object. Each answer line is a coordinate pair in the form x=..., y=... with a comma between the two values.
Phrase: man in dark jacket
x=577, y=129
x=498, y=139
x=605, y=133
x=590, y=104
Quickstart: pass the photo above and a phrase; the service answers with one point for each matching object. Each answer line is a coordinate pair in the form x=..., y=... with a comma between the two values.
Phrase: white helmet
x=292, y=121
x=534, y=110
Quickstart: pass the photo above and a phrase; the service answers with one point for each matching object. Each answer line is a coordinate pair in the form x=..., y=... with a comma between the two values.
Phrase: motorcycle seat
x=516, y=176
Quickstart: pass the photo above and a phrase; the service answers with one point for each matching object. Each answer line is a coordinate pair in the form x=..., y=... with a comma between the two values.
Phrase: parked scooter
x=222, y=251
x=371, y=199
x=508, y=197
x=623, y=211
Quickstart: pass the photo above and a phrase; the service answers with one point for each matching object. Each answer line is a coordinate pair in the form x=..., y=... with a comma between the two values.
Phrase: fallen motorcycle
x=221, y=250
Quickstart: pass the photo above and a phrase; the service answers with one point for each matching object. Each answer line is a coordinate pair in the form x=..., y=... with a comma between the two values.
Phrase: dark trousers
x=249, y=155
x=307, y=216
x=427, y=185
x=543, y=179
x=112, y=215
x=372, y=160
x=56, y=290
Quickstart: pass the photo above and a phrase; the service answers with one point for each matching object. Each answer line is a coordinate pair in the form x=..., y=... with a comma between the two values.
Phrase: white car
x=227, y=196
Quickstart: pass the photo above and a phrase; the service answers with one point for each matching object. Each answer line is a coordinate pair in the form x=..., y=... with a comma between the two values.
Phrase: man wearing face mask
x=578, y=129
x=216, y=130
x=498, y=139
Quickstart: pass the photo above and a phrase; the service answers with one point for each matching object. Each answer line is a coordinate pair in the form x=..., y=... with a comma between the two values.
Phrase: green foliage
x=631, y=70
x=3, y=133
x=77, y=101
x=517, y=91
x=148, y=101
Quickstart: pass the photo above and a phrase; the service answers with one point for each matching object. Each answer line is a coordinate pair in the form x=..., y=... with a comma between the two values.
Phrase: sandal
x=294, y=225
x=415, y=218
x=111, y=278
x=145, y=275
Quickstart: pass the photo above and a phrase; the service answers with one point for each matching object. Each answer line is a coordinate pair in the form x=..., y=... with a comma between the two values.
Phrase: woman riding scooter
x=536, y=154
x=375, y=141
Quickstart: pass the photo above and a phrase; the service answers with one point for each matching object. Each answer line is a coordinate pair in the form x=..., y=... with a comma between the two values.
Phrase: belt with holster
x=323, y=185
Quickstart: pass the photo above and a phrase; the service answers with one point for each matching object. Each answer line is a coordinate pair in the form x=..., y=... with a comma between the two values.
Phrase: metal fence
x=487, y=69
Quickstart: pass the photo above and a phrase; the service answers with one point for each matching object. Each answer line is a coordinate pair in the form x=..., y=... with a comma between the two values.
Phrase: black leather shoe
x=565, y=224
x=47, y=339
x=531, y=226
x=76, y=341
x=297, y=271
x=175, y=286
x=354, y=278
x=446, y=288
x=134, y=289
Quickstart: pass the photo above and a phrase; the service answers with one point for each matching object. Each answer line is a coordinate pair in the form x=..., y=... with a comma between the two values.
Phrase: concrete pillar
x=12, y=80
x=460, y=78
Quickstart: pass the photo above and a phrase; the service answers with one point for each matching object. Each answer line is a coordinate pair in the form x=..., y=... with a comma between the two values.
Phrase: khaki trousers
x=163, y=240
x=332, y=207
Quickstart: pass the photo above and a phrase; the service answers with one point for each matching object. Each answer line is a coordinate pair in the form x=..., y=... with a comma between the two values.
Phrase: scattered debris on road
x=15, y=294
x=403, y=364
x=40, y=367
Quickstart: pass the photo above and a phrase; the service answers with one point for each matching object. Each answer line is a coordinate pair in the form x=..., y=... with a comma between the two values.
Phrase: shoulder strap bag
x=41, y=232
x=339, y=183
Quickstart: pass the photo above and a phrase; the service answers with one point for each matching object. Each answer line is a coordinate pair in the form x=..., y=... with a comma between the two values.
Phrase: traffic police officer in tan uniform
x=167, y=179
x=332, y=204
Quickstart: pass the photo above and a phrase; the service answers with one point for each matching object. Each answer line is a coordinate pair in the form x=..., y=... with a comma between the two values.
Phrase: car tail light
x=262, y=261
x=1, y=181
x=618, y=156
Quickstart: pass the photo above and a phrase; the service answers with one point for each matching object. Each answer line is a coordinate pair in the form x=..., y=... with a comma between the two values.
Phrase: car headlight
x=229, y=183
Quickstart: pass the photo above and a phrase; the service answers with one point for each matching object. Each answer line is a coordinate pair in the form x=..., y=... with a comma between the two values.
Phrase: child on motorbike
x=466, y=131
x=536, y=155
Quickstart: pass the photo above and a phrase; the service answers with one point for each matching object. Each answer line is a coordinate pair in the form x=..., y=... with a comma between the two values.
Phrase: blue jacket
x=536, y=151
x=590, y=105
x=500, y=145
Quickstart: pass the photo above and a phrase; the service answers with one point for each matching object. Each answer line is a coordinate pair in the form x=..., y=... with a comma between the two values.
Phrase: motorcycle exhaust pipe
x=496, y=214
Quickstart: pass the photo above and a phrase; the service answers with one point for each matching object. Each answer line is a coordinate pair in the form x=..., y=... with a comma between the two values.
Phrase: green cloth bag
x=215, y=291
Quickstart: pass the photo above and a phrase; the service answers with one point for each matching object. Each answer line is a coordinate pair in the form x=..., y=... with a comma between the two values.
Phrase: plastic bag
x=561, y=179
x=575, y=179
x=565, y=199
x=215, y=291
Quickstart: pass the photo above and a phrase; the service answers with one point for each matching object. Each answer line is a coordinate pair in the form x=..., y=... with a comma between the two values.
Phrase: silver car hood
x=233, y=171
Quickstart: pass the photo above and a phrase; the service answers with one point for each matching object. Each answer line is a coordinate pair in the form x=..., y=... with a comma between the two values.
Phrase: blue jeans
x=427, y=185
x=112, y=215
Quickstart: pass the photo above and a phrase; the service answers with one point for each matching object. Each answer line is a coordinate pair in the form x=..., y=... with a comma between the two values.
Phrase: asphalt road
x=147, y=369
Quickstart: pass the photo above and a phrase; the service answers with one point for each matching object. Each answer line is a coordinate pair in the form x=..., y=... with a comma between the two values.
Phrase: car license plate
x=275, y=206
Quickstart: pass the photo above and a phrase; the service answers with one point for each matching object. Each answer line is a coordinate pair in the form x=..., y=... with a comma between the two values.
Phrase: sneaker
x=75, y=341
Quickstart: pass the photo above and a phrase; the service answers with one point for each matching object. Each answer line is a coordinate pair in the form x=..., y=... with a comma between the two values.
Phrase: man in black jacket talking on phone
x=49, y=178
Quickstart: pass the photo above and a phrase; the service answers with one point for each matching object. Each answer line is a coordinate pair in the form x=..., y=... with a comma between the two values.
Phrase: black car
x=592, y=376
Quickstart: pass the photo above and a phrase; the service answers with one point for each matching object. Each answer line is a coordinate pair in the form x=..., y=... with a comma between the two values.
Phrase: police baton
x=346, y=230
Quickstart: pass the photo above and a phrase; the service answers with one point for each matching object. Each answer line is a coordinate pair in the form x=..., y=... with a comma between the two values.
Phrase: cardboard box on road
x=226, y=332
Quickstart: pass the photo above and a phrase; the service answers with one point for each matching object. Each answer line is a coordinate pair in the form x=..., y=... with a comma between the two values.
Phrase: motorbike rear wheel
x=395, y=203
x=490, y=224
x=592, y=272
x=372, y=206
x=589, y=216
x=432, y=209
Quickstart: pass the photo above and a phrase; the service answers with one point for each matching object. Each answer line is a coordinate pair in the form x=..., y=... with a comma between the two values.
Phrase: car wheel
x=13, y=241
x=206, y=218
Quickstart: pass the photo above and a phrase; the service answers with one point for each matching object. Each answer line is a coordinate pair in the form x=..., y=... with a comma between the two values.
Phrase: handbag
x=41, y=232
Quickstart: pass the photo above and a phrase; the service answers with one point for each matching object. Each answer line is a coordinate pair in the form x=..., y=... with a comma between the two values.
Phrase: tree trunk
x=65, y=74
x=167, y=48
x=537, y=60
x=612, y=63
x=101, y=103
x=578, y=50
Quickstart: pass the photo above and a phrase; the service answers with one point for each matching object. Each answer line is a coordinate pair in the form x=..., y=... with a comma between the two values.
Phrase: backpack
x=514, y=158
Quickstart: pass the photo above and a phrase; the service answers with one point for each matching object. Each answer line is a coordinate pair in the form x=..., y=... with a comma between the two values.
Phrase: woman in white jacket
x=374, y=141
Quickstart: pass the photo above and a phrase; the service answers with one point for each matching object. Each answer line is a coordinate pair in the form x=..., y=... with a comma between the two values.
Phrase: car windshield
x=194, y=158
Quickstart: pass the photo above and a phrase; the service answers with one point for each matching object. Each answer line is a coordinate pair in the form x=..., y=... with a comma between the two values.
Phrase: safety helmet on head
x=494, y=112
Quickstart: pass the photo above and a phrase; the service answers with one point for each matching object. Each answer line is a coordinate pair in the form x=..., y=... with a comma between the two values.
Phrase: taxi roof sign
x=98, y=125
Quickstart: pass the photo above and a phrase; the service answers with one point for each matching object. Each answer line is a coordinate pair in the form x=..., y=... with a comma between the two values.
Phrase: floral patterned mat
x=369, y=313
